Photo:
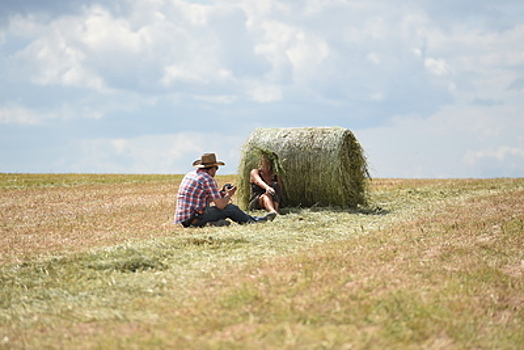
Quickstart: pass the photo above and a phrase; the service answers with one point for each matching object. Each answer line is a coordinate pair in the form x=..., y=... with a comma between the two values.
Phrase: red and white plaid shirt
x=196, y=191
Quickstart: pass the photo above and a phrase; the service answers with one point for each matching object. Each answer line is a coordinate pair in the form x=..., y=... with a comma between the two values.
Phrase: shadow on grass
x=129, y=264
x=211, y=241
x=373, y=210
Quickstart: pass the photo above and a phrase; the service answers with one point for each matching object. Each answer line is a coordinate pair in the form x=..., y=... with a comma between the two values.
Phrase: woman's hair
x=271, y=157
x=263, y=158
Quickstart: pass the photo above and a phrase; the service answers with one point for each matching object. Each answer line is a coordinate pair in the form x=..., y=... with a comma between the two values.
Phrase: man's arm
x=222, y=202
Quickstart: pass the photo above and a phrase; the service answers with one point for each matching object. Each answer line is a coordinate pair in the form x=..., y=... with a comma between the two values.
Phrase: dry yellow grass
x=439, y=266
x=51, y=214
x=72, y=219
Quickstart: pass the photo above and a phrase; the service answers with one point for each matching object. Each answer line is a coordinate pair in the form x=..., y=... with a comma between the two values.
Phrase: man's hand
x=230, y=191
x=227, y=193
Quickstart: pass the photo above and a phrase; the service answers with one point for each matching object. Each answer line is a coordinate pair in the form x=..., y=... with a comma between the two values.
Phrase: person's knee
x=265, y=198
x=231, y=206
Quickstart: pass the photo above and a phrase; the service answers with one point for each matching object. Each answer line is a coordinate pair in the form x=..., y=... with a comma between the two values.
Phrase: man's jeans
x=231, y=211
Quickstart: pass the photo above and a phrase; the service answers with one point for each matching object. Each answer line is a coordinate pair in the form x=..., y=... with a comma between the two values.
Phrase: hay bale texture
x=320, y=166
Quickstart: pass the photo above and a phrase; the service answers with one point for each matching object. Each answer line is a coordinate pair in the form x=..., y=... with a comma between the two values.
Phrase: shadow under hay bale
x=320, y=166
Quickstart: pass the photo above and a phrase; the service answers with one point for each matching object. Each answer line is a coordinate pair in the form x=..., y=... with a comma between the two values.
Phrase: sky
x=431, y=89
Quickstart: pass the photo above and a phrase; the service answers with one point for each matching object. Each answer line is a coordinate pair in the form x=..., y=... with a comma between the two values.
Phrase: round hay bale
x=319, y=166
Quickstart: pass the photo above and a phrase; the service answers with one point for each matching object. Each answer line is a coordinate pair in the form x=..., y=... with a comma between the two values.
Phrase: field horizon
x=94, y=261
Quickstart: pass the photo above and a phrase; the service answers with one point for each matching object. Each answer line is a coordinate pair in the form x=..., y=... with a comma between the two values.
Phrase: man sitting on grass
x=198, y=190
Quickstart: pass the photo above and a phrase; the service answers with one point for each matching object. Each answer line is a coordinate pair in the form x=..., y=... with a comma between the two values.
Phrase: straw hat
x=207, y=160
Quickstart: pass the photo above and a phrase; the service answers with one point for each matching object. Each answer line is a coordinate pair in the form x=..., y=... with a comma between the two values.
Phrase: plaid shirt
x=196, y=191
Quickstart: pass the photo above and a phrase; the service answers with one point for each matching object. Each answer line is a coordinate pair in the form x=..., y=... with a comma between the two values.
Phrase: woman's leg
x=266, y=202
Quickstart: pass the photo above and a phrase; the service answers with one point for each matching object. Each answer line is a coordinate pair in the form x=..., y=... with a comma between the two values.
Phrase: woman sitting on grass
x=265, y=185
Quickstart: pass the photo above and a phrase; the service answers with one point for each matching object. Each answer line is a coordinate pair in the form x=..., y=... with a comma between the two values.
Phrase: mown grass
x=433, y=264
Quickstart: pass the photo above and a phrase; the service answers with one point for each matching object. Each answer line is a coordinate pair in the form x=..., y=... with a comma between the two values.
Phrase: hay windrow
x=321, y=166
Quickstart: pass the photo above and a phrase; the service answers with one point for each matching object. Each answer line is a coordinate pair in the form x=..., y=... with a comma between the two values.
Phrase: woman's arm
x=254, y=177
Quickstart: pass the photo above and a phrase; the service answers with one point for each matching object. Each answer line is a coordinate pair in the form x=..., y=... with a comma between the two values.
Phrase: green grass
x=432, y=264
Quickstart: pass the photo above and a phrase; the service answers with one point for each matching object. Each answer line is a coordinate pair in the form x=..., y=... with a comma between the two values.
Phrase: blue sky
x=431, y=89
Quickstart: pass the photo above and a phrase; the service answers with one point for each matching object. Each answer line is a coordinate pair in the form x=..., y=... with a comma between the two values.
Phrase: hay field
x=92, y=261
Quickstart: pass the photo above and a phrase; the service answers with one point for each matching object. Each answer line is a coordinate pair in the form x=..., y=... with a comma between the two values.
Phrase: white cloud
x=200, y=71
x=374, y=57
x=95, y=48
x=274, y=45
x=484, y=123
x=437, y=67
x=16, y=114
x=54, y=56
x=119, y=146
x=434, y=90
x=306, y=56
x=103, y=34
x=12, y=113
x=455, y=142
x=263, y=93
x=479, y=62
x=220, y=99
x=166, y=153
x=500, y=154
